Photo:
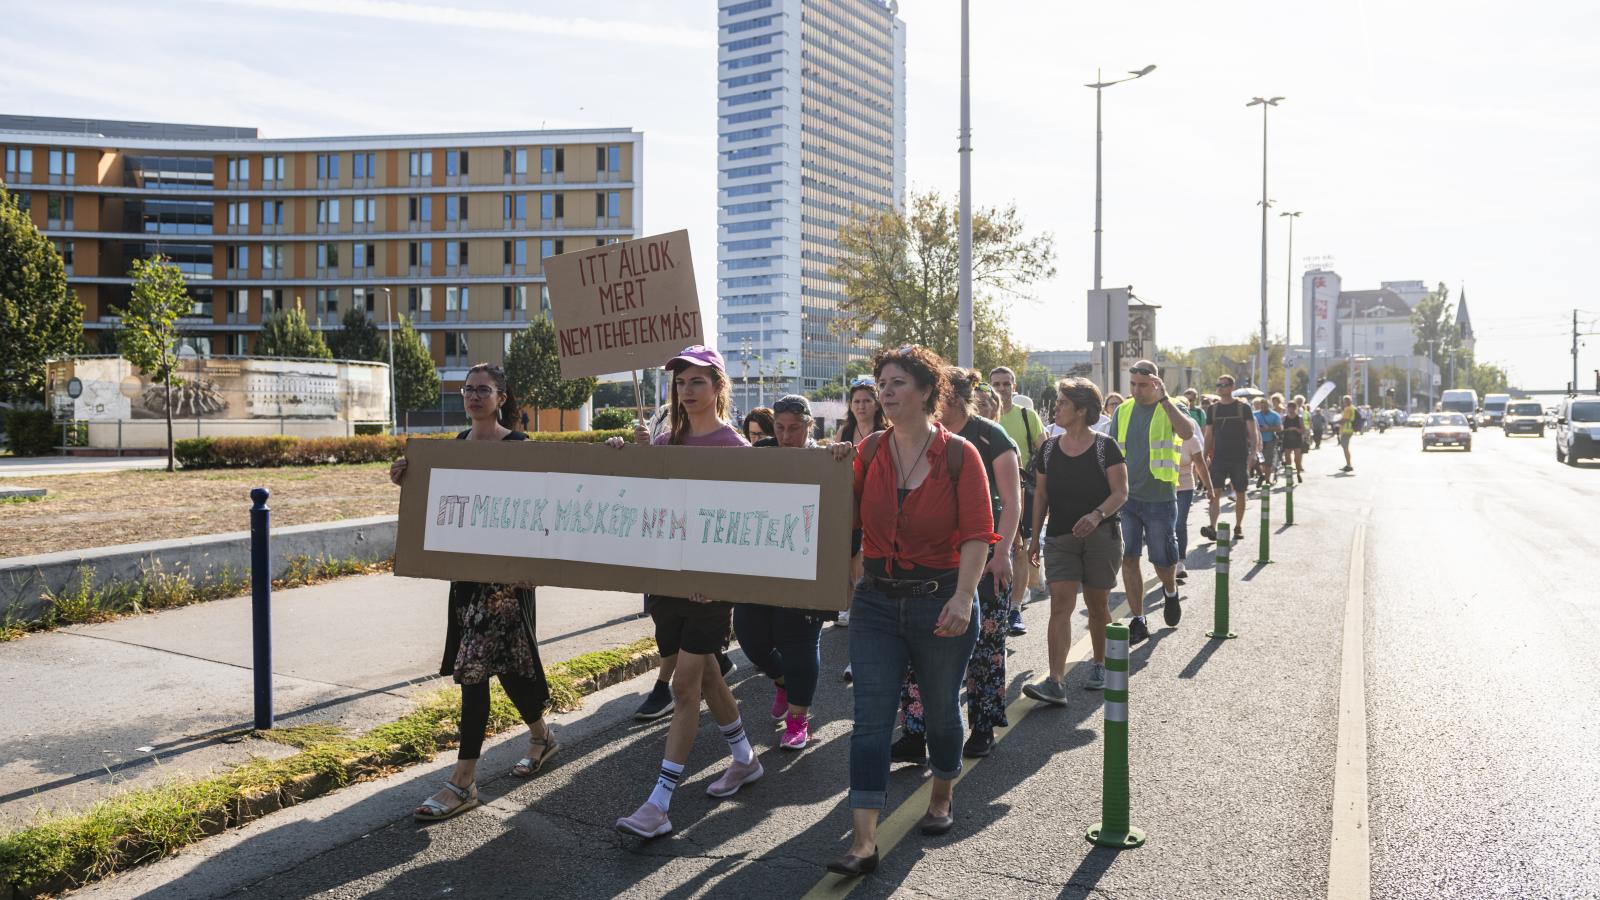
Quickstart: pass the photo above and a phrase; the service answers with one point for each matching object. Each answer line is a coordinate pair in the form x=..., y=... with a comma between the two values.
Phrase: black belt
x=914, y=587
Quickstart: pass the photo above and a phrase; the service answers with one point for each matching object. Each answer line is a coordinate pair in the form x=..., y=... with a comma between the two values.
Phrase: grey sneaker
x=1097, y=677
x=1048, y=690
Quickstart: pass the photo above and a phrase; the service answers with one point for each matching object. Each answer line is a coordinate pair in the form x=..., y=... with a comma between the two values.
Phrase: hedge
x=32, y=432
x=613, y=417
x=284, y=450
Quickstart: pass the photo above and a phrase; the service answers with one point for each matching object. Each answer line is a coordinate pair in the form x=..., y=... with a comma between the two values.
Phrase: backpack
x=952, y=460
x=1049, y=447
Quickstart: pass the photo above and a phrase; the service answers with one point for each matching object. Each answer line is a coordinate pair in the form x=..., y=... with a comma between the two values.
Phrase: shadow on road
x=1254, y=571
x=1091, y=869
x=1201, y=658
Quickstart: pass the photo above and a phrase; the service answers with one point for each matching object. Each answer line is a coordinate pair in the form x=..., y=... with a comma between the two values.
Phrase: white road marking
x=1349, y=859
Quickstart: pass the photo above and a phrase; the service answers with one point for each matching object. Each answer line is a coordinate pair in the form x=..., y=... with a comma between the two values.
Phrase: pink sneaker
x=796, y=732
x=738, y=775
x=780, y=703
x=650, y=821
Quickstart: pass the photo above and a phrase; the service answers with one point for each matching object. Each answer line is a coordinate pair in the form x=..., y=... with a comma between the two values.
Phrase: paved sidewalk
x=26, y=466
x=145, y=698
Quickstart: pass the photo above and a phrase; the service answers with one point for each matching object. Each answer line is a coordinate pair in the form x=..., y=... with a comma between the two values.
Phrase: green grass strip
x=63, y=851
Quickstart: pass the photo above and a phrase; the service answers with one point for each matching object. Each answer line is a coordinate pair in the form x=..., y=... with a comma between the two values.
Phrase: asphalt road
x=1480, y=685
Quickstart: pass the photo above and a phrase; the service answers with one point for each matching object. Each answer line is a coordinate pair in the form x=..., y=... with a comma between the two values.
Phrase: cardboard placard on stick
x=624, y=306
x=768, y=526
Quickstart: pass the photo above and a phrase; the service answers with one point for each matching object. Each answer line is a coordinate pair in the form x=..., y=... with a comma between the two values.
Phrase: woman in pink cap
x=698, y=627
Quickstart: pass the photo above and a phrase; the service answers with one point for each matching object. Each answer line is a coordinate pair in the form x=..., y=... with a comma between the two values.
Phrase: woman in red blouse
x=922, y=503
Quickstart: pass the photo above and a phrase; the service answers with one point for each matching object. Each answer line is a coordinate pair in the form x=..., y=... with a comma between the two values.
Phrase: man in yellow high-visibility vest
x=1150, y=429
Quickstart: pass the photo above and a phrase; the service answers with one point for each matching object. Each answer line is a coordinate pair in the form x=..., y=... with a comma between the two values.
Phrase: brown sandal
x=539, y=750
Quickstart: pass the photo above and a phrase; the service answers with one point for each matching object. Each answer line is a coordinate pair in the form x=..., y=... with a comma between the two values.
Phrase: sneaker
x=911, y=748
x=738, y=775
x=796, y=732
x=657, y=704
x=1097, y=677
x=1183, y=573
x=849, y=676
x=1138, y=632
x=1238, y=534
x=1017, y=628
x=1171, y=610
x=650, y=821
x=978, y=744
x=1047, y=690
x=780, y=703
x=1207, y=532
x=844, y=619
x=728, y=666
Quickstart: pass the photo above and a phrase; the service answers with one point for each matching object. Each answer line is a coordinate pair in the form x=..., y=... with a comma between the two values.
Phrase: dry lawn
x=97, y=510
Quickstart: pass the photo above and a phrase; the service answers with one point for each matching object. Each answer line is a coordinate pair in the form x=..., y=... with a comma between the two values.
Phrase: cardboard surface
x=624, y=306
x=767, y=526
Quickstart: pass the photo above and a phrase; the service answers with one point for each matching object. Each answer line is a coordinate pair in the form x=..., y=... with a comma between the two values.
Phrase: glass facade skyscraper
x=811, y=133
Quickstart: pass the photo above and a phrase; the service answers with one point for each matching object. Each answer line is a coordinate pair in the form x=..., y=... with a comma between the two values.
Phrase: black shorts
x=1224, y=471
x=682, y=624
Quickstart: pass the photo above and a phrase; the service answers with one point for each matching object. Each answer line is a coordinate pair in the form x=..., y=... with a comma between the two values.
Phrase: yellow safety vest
x=1166, y=451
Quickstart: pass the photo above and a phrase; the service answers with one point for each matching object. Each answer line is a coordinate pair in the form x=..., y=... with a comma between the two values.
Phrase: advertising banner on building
x=770, y=527
x=109, y=389
x=624, y=306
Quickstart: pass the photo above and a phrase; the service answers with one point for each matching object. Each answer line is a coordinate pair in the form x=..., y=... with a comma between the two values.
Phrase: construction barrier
x=1219, y=609
x=1114, y=829
x=1266, y=525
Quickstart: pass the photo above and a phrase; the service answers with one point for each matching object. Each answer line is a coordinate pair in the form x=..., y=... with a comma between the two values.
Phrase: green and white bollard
x=1266, y=526
x=1219, y=611
x=1113, y=829
x=1288, y=495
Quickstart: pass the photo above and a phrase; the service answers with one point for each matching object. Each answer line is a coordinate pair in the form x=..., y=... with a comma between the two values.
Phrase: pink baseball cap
x=698, y=355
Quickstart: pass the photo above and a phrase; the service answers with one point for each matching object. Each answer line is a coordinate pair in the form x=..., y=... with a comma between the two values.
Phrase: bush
x=581, y=437
x=284, y=450
x=612, y=418
x=196, y=453
x=372, y=428
x=32, y=432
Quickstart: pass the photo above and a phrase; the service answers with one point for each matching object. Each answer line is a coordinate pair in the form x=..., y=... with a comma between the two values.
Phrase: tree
x=902, y=276
x=1489, y=379
x=1433, y=321
x=533, y=371
x=39, y=317
x=357, y=338
x=148, y=337
x=416, y=381
x=834, y=389
x=286, y=334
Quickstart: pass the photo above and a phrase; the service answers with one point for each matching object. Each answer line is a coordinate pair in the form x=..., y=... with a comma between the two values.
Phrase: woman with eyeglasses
x=924, y=509
x=986, y=670
x=490, y=631
x=694, y=629
x=866, y=416
x=757, y=425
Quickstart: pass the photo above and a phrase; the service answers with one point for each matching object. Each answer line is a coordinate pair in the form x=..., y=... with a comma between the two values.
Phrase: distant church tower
x=1464, y=329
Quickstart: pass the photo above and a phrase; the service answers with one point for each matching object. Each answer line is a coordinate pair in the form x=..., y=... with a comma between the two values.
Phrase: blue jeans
x=1185, y=500
x=1152, y=524
x=885, y=635
x=783, y=643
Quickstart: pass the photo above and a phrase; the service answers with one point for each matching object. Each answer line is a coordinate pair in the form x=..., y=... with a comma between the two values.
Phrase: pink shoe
x=780, y=703
x=796, y=732
x=650, y=821
x=738, y=775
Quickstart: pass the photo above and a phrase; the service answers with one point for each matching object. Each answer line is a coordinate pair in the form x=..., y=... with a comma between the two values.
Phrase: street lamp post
x=388, y=317
x=1099, y=85
x=1264, y=103
x=1288, y=308
x=965, y=350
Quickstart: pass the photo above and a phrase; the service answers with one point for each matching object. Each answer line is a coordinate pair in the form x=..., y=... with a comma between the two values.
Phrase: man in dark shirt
x=1231, y=442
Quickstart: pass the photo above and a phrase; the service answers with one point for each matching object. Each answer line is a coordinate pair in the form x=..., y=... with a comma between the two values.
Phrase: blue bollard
x=261, y=604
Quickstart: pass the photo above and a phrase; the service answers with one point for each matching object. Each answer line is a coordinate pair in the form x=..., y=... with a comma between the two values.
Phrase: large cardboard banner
x=765, y=526
x=624, y=306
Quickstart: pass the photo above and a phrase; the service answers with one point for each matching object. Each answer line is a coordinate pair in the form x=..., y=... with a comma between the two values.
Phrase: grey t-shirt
x=1141, y=484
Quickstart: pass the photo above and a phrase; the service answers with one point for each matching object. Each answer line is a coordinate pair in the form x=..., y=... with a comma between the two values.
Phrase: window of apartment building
x=455, y=162
x=418, y=300
x=65, y=248
x=239, y=213
x=19, y=161
x=552, y=206
x=516, y=160
x=59, y=207
x=271, y=301
x=421, y=164
x=455, y=208
x=238, y=302
x=455, y=253
x=239, y=257
x=327, y=256
x=363, y=165
x=364, y=210
x=365, y=256
x=607, y=203
x=516, y=253
x=328, y=166
x=327, y=303
x=544, y=300
x=239, y=168
x=273, y=168
x=327, y=212
x=63, y=162
x=552, y=160
x=749, y=6
x=364, y=299
x=608, y=158
x=549, y=247
x=272, y=212
x=514, y=206
x=422, y=254
x=456, y=299
x=272, y=258
x=24, y=200
x=420, y=209
x=455, y=348
x=514, y=298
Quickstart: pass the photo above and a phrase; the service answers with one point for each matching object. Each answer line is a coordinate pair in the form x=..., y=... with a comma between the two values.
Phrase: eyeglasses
x=790, y=406
x=864, y=381
x=1223, y=384
x=479, y=390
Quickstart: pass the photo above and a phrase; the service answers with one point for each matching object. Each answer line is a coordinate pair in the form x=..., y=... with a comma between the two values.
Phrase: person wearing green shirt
x=1024, y=427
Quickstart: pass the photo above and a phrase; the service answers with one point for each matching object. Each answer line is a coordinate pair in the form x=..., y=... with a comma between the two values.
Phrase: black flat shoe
x=933, y=825
x=851, y=866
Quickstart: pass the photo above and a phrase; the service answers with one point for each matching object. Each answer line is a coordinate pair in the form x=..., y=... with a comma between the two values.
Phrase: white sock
x=1170, y=594
x=666, y=783
x=738, y=741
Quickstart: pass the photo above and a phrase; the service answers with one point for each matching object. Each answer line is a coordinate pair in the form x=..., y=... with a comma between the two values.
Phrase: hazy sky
x=1442, y=141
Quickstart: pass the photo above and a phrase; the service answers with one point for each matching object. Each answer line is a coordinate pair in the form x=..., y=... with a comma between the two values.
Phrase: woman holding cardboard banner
x=923, y=505
x=490, y=631
x=694, y=629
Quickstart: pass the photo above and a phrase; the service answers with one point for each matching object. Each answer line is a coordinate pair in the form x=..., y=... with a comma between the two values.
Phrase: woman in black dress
x=490, y=630
x=1294, y=439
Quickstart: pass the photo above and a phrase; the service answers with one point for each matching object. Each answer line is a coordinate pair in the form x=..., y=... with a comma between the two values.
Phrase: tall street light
x=965, y=234
x=1264, y=103
x=1099, y=85
x=388, y=317
x=1288, y=308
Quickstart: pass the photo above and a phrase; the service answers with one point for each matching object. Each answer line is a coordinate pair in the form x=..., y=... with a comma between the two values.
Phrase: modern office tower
x=450, y=227
x=811, y=132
